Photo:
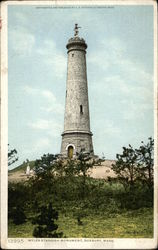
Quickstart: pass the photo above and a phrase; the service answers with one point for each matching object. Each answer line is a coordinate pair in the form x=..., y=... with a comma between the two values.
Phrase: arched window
x=70, y=152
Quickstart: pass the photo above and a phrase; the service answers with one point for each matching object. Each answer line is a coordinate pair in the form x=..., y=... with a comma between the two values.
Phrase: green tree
x=70, y=168
x=46, y=226
x=145, y=161
x=126, y=167
x=84, y=163
x=18, y=215
x=42, y=182
x=44, y=172
x=44, y=167
x=12, y=156
x=18, y=198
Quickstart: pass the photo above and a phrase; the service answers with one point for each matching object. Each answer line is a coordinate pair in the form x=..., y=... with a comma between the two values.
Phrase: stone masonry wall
x=76, y=93
x=78, y=141
x=76, y=121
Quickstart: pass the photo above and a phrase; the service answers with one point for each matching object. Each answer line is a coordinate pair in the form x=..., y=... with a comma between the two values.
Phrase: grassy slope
x=131, y=224
x=123, y=224
x=22, y=167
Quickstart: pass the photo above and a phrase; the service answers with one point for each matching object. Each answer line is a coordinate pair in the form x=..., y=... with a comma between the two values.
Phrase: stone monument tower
x=77, y=135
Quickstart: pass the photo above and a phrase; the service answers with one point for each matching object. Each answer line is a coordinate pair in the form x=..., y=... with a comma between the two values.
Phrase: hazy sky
x=119, y=71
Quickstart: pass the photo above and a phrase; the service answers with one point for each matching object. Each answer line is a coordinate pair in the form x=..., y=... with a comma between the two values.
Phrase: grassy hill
x=102, y=171
x=87, y=207
x=22, y=167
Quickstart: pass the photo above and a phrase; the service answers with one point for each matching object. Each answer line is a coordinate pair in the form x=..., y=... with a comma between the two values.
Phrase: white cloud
x=123, y=79
x=42, y=143
x=40, y=124
x=98, y=59
x=55, y=108
x=22, y=41
x=21, y=18
x=23, y=44
x=109, y=53
x=52, y=57
x=110, y=129
x=112, y=60
x=42, y=92
x=38, y=147
x=51, y=127
x=49, y=95
x=30, y=90
x=135, y=112
x=142, y=90
x=46, y=48
x=115, y=82
x=51, y=102
x=114, y=48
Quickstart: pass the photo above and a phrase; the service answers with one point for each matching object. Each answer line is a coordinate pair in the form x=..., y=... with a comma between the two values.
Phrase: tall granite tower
x=77, y=135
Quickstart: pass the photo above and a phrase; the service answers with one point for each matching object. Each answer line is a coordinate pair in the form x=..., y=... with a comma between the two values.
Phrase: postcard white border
x=70, y=243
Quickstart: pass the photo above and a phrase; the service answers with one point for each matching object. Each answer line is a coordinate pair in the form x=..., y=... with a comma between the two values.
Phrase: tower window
x=72, y=55
x=81, y=109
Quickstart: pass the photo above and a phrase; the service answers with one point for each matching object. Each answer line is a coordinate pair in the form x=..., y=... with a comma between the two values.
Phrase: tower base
x=75, y=141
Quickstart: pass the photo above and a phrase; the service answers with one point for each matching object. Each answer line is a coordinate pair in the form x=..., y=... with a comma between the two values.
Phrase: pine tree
x=46, y=226
x=145, y=162
x=12, y=156
x=18, y=215
x=126, y=166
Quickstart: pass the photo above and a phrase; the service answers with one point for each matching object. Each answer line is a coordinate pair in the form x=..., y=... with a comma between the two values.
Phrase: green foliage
x=107, y=206
x=127, y=224
x=44, y=166
x=46, y=226
x=18, y=198
x=145, y=159
x=70, y=168
x=12, y=156
x=135, y=165
x=22, y=167
x=83, y=164
x=138, y=197
x=18, y=215
x=125, y=166
x=83, y=202
x=45, y=172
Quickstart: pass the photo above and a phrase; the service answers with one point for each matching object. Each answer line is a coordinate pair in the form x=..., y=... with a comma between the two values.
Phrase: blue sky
x=119, y=71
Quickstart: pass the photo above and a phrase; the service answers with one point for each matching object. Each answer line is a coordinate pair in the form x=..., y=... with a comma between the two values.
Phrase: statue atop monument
x=76, y=31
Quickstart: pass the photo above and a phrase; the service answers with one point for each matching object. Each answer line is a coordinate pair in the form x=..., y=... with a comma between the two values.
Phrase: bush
x=46, y=226
x=18, y=215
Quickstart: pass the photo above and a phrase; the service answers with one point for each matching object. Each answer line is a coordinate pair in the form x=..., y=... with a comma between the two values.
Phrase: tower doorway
x=70, y=152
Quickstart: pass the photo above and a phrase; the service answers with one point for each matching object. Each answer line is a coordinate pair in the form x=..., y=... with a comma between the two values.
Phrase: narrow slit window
x=81, y=109
x=72, y=55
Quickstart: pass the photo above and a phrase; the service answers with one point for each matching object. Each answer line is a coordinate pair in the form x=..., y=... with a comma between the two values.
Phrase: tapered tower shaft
x=77, y=135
